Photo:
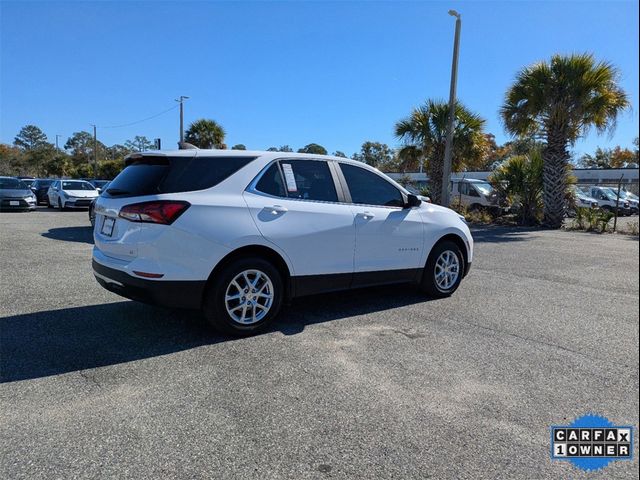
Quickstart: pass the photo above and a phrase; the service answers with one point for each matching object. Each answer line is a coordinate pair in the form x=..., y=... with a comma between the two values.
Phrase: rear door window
x=154, y=175
x=309, y=180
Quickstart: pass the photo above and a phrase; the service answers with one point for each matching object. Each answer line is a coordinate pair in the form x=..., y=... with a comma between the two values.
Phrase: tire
x=443, y=287
x=92, y=217
x=217, y=311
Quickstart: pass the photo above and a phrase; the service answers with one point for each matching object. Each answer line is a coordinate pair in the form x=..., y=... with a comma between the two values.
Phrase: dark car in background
x=92, y=212
x=26, y=180
x=40, y=188
x=100, y=184
x=15, y=195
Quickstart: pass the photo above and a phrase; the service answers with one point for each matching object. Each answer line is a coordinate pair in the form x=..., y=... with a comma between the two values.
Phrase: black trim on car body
x=168, y=293
x=303, y=285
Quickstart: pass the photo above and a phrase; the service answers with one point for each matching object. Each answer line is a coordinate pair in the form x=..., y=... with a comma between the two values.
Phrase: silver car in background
x=16, y=195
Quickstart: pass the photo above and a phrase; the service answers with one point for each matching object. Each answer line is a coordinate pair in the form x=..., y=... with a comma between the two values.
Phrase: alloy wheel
x=447, y=270
x=249, y=297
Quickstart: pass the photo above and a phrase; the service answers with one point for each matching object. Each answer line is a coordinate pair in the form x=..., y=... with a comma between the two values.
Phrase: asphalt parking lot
x=377, y=383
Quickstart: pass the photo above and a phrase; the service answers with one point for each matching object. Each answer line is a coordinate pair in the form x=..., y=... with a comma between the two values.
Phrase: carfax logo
x=591, y=442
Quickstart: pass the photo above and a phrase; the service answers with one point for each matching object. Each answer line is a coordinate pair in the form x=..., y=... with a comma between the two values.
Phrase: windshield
x=12, y=184
x=631, y=196
x=484, y=188
x=77, y=186
x=627, y=195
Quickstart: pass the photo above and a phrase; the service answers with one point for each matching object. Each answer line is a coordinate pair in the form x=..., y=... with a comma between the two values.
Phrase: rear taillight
x=159, y=211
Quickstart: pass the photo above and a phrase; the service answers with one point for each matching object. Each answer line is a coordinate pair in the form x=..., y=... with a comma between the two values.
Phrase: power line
x=140, y=121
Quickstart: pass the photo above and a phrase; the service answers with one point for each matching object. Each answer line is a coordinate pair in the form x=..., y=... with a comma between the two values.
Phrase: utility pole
x=181, y=100
x=446, y=171
x=95, y=153
x=57, y=148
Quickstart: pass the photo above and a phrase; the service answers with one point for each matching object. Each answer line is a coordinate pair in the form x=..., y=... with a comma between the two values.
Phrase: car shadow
x=54, y=342
x=71, y=234
x=499, y=234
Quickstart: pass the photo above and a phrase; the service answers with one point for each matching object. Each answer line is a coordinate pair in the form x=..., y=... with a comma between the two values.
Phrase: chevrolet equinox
x=238, y=233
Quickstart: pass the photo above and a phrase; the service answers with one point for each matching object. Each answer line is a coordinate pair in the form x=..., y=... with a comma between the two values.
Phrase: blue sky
x=274, y=73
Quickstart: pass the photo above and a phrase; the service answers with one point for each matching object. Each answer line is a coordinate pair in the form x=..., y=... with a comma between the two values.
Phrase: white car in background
x=475, y=194
x=608, y=200
x=237, y=234
x=71, y=194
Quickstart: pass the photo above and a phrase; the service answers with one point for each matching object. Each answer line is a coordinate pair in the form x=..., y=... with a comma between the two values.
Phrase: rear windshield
x=153, y=175
x=12, y=184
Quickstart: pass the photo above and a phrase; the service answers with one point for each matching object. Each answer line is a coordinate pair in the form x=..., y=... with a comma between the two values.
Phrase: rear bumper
x=171, y=293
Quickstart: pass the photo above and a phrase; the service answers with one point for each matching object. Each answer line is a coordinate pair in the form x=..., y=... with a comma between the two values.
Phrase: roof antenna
x=187, y=146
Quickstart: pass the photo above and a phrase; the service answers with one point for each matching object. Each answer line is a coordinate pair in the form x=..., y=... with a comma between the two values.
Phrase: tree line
x=549, y=106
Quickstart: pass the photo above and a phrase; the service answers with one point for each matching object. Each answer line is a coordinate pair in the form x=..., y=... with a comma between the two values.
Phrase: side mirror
x=412, y=201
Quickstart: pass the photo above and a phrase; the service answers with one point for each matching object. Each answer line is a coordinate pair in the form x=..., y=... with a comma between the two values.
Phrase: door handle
x=276, y=209
x=366, y=215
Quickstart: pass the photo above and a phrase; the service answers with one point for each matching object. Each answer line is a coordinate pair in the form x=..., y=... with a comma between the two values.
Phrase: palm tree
x=205, y=133
x=426, y=130
x=519, y=179
x=559, y=101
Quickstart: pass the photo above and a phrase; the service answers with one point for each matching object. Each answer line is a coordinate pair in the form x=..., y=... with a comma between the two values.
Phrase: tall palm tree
x=205, y=133
x=426, y=130
x=559, y=101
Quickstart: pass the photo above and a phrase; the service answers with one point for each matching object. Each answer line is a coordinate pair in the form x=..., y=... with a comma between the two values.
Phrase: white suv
x=236, y=234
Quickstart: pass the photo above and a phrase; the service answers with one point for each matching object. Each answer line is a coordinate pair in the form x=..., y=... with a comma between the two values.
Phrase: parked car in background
x=475, y=194
x=27, y=180
x=71, y=194
x=92, y=211
x=628, y=197
x=40, y=188
x=99, y=184
x=581, y=200
x=237, y=233
x=16, y=195
x=607, y=200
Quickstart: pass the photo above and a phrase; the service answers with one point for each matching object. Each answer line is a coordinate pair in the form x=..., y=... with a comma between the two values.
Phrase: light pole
x=57, y=148
x=95, y=152
x=181, y=100
x=446, y=170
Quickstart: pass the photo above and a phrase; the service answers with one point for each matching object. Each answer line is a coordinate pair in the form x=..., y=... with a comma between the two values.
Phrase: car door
x=53, y=190
x=389, y=237
x=296, y=205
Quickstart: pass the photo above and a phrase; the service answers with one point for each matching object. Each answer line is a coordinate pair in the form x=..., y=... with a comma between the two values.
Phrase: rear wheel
x=443, y=272
x=245, y=297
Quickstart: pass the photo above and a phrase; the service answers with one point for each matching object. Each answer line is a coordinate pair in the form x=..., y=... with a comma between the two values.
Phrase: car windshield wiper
x=117, y=191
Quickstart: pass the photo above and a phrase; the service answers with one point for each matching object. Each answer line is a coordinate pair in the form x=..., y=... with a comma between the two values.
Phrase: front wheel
x=245, y=297
x=444, y=270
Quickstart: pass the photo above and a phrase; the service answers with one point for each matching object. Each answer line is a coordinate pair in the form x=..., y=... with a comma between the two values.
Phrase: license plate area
x=14, y=203
x=107, y=226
